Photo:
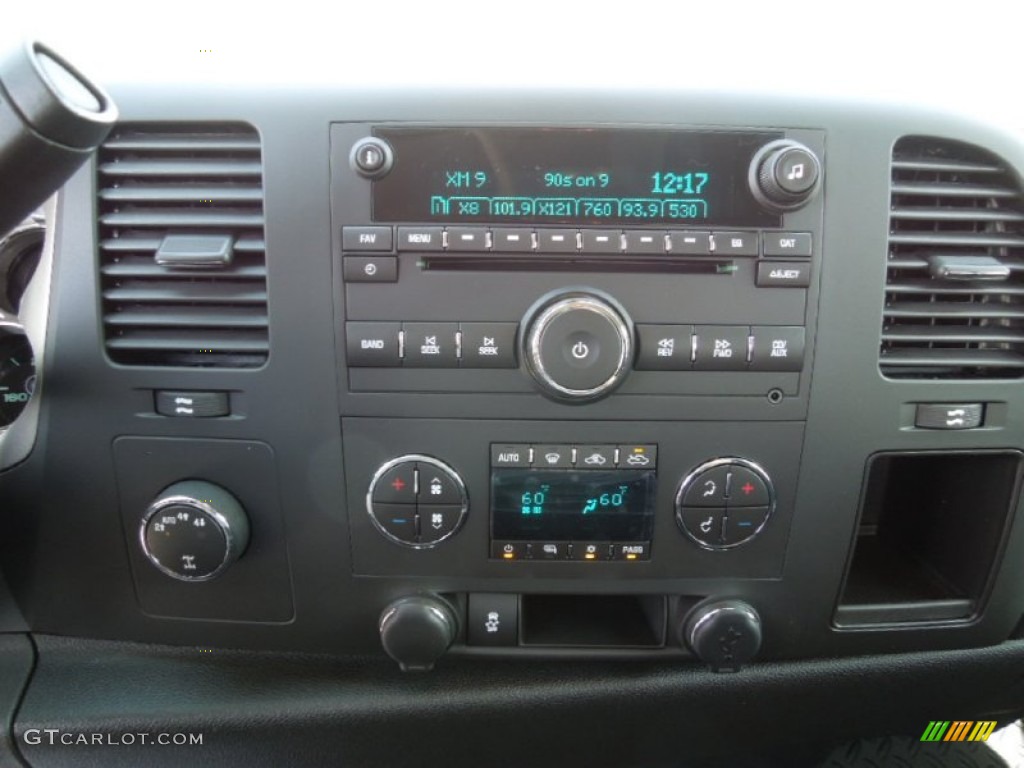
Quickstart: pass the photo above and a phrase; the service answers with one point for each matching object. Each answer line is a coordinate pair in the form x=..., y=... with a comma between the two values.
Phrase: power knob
x=724, y=634
x=416, y=631
x=578, y=345
x=194, y=531
x=784, y=175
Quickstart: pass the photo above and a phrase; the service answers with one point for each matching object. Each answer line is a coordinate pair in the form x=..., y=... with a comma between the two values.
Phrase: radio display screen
x=570, y=176
x=560, y=505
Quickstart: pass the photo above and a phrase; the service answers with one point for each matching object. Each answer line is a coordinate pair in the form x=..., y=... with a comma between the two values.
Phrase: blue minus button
x=744, y=524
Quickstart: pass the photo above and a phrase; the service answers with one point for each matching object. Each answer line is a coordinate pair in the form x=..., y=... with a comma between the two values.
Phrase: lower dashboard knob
x=194, y=531
x=724, y=634
x=578, y=346
x=416, y=631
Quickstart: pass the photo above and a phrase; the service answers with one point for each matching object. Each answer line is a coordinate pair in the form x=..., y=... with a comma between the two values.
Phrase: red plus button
x=397, y=485
x=746, y=488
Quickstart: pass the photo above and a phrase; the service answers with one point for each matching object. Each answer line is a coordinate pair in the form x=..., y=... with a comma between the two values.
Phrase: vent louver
x=954, y=301
x=162, y=190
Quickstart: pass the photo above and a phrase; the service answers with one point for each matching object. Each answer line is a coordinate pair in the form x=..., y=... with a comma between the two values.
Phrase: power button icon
x=578, y=346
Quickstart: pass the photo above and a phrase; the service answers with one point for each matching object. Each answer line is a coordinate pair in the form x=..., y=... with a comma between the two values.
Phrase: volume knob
x=578, y=346
x=784, y=175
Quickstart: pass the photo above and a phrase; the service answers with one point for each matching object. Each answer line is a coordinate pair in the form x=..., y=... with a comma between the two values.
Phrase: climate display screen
x=590, y=505
x=570, y=176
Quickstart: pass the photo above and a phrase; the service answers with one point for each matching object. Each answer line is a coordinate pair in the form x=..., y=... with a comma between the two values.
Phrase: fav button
x=366, y=238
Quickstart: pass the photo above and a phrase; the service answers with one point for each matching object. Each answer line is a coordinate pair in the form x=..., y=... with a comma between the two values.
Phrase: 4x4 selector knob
x=578, y=345
x=194, y=531
x=784, y=175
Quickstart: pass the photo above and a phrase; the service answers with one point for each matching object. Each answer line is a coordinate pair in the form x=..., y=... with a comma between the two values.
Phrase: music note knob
x=784, y=175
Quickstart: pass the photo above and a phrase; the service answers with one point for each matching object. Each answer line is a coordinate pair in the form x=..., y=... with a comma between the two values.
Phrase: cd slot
x=635, y=264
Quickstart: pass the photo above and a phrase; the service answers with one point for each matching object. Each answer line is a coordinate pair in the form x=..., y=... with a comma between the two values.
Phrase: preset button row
x=552, y=240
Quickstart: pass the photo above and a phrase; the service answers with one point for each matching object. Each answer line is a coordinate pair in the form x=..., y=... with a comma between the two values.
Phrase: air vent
x=182, y=251
x=954, y=301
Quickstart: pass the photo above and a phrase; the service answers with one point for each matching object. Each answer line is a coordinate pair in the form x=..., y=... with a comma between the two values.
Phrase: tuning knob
x=416, y=631
x=724, y=634
x=784, y=175
x=578, y=345
x=194, y=531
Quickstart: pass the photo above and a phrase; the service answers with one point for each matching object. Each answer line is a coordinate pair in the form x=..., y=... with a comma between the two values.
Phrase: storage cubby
x=929, y=537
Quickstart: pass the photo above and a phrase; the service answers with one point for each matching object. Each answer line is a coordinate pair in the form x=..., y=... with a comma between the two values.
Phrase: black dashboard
x=570, y=397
